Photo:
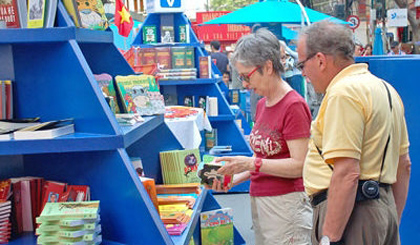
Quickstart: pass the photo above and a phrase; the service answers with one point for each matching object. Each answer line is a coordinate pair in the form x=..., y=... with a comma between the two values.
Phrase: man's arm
x=400, y=188
x=341, y=197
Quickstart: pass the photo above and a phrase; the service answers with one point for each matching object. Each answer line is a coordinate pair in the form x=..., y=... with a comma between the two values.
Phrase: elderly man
x=357, y=169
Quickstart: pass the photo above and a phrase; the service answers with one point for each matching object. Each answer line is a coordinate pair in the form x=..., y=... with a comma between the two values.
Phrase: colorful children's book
x=106, y=84
x=140, y=94
x=92, y=14
x=180, y=166
x=217, y=227
x=71, y=7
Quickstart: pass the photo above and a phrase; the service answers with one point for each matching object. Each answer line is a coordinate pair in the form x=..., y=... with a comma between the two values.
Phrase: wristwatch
x=257, y=164
x=325, y=240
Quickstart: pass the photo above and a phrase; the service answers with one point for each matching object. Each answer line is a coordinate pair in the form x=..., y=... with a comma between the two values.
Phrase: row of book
x=42, y=13
x=6, y=99
x=134, y=94
x=166, y=57
x=150, y=34
x=29, y=195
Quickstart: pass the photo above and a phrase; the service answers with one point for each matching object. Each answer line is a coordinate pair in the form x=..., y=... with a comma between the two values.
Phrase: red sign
x=354, y=21
x=223, y=33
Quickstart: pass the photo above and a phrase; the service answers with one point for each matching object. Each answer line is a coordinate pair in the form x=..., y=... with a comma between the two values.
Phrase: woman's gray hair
x=329, y=38
x=257, y=48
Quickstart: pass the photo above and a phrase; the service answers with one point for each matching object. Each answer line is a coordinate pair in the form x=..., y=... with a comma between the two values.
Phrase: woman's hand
x=235, y=165
x=217, y=186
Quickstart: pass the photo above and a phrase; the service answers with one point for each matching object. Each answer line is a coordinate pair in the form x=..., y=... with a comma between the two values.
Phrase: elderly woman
x=281, y=211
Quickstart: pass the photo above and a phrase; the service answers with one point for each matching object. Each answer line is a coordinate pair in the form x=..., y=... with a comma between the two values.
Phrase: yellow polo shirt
x=355, y=120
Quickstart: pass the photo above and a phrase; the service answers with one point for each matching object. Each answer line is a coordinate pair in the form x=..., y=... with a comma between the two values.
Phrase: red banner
x=223, y=33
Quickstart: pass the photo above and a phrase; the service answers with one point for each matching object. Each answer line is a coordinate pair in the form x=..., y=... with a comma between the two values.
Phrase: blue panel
x=198, y=81
x=401, y=72
x=6, y=60
x=148, y=148
x=63, y=18
x=127, y=214
x=229, y=134
x=11, y=166
x=137, y=131
x=55, y=88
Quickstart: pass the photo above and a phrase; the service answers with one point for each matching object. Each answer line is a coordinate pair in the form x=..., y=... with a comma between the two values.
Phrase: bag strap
x=387, y=141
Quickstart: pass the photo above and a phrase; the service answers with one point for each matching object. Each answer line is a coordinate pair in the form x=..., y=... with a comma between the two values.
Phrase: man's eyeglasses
x=301, y=64
x=247, y=77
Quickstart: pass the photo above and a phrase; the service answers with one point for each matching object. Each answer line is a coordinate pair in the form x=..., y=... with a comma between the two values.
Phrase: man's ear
x=322, y=60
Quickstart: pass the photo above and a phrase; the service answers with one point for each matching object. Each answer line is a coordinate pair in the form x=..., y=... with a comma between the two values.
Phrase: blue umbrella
x=378, y=45
x=288, y=33
x=271, y=11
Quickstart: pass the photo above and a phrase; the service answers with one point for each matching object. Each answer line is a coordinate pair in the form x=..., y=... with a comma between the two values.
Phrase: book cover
x=50, y=12
x=36, y=13
x=76, y=193
x=167, y=34
x=71, y=7
x=180, y=166
x=189, y=101
x=140, y=94
x=148, y=56
x=184, y=33
x=9, y=13
x=149, y=185
x=217, y=227
x=92, y=14
x=149, y=34
x=189, y=57
x=163, y=57
x=209, y=172
x=106, y=84
x=204, y=66
x=52, y=192
x=175, y=229
x=178, y=57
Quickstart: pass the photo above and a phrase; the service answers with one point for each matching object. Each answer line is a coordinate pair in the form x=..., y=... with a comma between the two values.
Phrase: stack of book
x=69, y=223
x=177, y=74
x=175, y=205
x=5, y=211
x=180, y=166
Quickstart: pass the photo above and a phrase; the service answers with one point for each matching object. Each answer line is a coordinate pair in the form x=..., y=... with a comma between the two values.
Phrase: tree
x=227, y=5
x=415, y=24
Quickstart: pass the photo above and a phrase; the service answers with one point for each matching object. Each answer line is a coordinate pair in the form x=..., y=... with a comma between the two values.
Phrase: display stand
x=227, y=130
x=52, y=70
x=402, y=73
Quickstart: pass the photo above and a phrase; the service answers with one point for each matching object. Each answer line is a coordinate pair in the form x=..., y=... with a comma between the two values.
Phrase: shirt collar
x=348, y=71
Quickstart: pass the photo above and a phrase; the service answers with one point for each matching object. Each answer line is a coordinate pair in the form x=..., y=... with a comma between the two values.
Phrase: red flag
x=122, y=19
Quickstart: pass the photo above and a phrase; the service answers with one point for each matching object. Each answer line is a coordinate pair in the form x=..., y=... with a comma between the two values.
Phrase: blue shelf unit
x=228, y=131
x=52, y=70
x=401, y=72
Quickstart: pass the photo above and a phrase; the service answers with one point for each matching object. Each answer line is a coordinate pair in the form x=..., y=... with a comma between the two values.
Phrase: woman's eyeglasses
x=247, y=77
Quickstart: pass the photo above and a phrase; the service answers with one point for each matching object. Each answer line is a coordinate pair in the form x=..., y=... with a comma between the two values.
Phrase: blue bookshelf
x=52, y=70
x=228, y=132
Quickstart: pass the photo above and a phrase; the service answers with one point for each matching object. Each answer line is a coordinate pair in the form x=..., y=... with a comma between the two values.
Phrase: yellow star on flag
x=125, y=16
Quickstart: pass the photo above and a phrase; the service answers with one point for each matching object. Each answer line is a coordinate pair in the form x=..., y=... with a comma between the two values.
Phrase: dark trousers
x=372, y=222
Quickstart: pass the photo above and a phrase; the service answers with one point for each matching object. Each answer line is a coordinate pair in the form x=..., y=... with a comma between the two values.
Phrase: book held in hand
x=209, y=173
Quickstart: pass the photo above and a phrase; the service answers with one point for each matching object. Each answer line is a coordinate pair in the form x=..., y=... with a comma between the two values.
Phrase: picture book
x=217, y=227
x=149, y=34
x=106, y=84
x=184, y=33
x=209, y=172
x=71, y=7
x=9, y=13
x=36, y=13
x=140, y=94
x=180, y=166
x=92, y=14
x=167, y=34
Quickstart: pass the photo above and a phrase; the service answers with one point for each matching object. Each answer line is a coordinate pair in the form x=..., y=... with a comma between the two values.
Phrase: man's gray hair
x=257, y=48
x=329, y=38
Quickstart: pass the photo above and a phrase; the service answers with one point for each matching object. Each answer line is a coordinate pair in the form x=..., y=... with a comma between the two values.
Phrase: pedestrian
x=281, y=212
x=368, y=50
x=357, y=170
x=219, y=57
x=395, y=49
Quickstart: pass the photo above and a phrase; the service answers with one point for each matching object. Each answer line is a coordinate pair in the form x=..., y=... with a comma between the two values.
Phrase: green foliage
x=228, y=5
